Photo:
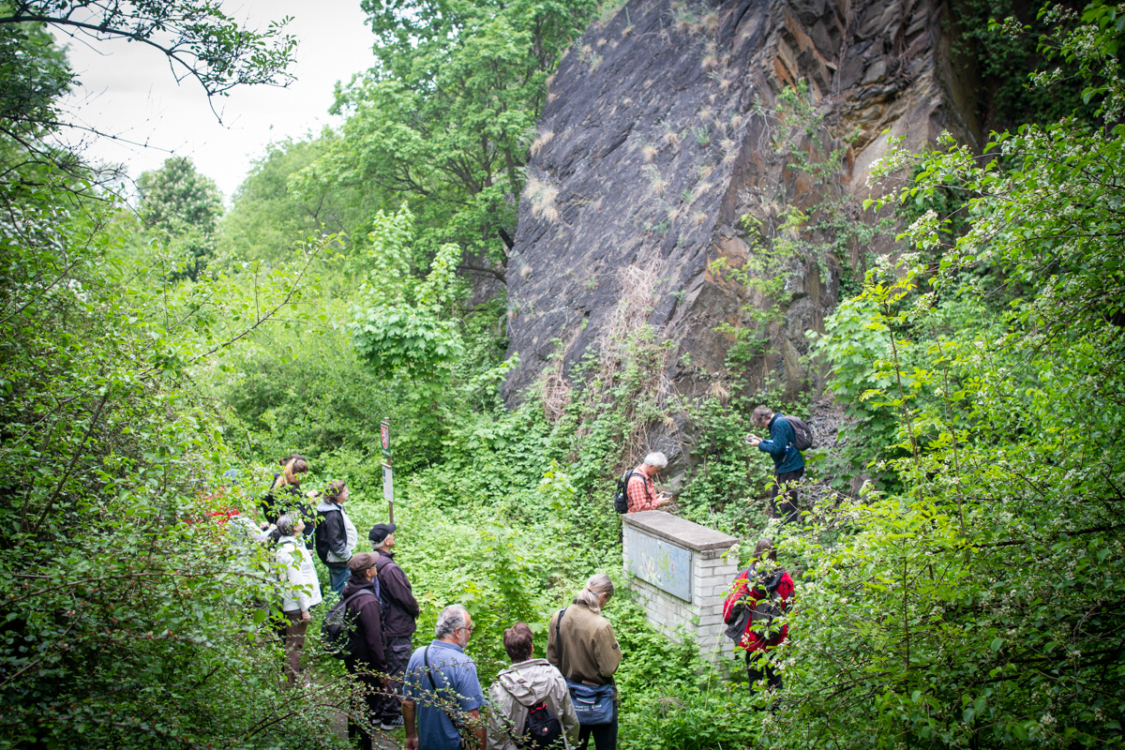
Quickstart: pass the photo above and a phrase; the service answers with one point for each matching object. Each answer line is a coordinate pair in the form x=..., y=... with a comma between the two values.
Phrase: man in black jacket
x=365, y=657
x=399, y=626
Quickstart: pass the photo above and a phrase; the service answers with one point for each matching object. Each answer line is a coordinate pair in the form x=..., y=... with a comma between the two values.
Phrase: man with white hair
x=639, y=487
x=441, y=689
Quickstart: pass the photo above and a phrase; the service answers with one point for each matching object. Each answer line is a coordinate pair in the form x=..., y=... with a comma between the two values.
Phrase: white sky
x=128, y=90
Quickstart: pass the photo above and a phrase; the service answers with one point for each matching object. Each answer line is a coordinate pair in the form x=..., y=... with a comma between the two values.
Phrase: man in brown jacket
x=586, y=651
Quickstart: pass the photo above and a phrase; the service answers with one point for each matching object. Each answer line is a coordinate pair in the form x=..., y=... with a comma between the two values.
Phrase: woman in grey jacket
x=300, y=588
x=527, y=684
x=336, y=536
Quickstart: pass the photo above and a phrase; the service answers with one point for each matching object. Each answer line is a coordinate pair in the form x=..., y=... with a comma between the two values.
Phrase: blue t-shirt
x=455, y=677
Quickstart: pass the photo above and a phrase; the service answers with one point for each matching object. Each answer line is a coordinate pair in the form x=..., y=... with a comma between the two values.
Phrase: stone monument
x=681, y=572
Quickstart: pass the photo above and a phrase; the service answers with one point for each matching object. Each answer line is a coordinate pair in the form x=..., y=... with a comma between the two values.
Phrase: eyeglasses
x=469, y=629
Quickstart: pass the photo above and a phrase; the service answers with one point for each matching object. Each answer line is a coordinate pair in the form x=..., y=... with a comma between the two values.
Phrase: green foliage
x=445, y=119
x=670, y=698
x=268, y=218
x=183, y=208
x=1000, y=41
x=726, y=482
x=977, y=603
x=128, y=617
x=33, y=75
x=301, y=390
x=1093, y=48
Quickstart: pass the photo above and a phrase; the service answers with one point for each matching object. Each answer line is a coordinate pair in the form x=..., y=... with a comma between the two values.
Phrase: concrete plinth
x=680, y=571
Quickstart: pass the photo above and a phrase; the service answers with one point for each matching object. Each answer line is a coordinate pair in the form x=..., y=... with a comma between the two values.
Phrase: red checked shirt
x=641, y=492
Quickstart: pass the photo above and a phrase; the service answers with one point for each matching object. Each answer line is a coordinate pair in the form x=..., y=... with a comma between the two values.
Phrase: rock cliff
x=704, y=164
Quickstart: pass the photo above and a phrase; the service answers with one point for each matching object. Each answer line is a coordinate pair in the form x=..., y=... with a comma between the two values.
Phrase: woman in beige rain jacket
x=528, y=683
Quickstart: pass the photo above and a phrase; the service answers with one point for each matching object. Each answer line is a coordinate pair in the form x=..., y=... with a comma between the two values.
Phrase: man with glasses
x=442, y=696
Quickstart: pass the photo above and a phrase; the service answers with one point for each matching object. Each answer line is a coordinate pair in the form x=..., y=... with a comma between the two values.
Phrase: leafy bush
x=129, y=613
x=979, y=604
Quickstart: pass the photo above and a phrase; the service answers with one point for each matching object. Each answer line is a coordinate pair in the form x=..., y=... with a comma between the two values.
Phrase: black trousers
x=769, y=672
x=605, y=735
x=372, y=702
x=397, y=652
x=786, y=486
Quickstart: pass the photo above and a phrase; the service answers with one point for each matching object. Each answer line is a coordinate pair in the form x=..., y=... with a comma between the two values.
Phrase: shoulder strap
x=356, y=595
x=792, y=430
x=453, y=717
x=429, y=672
x=558, y=635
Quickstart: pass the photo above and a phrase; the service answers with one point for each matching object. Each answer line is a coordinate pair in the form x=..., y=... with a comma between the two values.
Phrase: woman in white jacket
x=300, y=589
x=529, y=685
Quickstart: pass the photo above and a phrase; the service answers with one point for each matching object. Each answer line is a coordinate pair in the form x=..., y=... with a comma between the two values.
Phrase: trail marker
x=388, y=476
x=389, y=492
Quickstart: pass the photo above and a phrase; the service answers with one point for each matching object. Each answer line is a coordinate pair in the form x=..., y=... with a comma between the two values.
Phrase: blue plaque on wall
x=659, y=562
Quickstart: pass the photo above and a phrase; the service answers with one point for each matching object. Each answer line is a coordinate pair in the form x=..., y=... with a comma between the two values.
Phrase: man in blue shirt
x=441, y=692
x=788, y=463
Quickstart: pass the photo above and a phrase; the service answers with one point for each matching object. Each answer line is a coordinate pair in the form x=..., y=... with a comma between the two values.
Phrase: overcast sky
x=128, y=90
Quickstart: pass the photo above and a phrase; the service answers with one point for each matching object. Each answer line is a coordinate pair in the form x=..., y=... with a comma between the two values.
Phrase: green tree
x=267, y=218
x=445, y=118
x=127, y=609
x=183, y=207
x=129, y=616
x=33, y=75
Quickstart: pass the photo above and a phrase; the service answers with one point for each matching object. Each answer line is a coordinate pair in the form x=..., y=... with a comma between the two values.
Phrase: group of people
x=789, y=467
x=532, y=702
x=379, y=602
x=433, y=691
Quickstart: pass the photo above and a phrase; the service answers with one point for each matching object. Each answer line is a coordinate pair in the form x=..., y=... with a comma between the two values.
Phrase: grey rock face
x=659, y=136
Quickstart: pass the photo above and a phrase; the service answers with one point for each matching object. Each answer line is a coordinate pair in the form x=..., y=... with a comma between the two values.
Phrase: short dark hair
x=761, y=415
x=518, y=642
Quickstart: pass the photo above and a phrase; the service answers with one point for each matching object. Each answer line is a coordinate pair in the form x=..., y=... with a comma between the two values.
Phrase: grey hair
x=287, y=524
x=591, y=596
x=451, y=618
x=656, y=459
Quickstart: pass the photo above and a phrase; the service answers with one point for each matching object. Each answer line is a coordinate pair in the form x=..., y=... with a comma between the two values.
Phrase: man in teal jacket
x=788, y=463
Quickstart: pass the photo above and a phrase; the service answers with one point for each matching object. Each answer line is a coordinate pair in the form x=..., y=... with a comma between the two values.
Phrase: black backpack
x=803, y=437
x=542, y=727
x=336, y=630
x=766, y=610
x=621, y=497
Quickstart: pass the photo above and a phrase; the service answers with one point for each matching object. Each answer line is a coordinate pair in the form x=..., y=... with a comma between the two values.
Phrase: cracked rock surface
x=658, y=137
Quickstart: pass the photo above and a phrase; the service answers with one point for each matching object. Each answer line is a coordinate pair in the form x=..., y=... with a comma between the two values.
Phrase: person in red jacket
x=767, y=583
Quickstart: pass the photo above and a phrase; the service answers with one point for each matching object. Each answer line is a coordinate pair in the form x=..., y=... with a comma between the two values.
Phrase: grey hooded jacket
x=520, y=687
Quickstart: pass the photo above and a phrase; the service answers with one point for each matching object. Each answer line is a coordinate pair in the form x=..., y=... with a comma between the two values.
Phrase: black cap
x=379, y=532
